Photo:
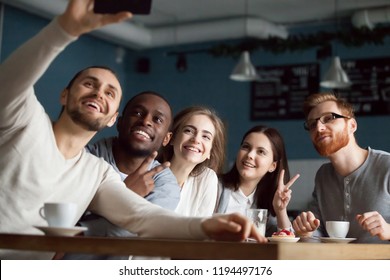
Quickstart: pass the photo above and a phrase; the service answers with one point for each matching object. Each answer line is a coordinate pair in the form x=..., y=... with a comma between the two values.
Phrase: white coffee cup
x=259, y=218
x=337, y=229
x=59, y=214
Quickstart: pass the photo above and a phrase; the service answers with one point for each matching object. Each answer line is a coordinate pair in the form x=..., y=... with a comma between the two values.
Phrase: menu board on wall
x=282, y=89
x=370, y=90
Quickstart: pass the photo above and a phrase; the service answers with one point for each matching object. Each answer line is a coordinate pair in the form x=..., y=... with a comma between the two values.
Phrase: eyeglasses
x=324, y=119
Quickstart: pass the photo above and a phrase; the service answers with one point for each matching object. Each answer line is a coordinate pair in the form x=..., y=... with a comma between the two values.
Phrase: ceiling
x=175, y=22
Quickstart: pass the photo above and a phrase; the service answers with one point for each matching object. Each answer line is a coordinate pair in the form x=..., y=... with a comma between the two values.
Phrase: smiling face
x=92, y=101
x=144, y=126
x=330, y=137
x=255, y=157
x=194, y=140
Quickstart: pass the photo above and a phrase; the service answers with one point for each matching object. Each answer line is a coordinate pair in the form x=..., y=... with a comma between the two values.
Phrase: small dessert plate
x=60, y=231
x=283, y=239
x=336, y=240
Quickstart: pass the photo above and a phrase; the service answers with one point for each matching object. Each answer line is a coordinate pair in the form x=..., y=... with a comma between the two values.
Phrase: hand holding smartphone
x=136, y=7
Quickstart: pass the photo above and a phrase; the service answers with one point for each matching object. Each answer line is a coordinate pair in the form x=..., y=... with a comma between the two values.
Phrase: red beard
x=338, y=141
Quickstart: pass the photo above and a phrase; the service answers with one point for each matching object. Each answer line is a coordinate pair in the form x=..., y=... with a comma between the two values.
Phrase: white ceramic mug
x=337, y=229
x=259, y=218
x=59, y=214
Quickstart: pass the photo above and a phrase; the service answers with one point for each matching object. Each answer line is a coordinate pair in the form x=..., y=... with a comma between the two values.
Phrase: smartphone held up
x=136, y=7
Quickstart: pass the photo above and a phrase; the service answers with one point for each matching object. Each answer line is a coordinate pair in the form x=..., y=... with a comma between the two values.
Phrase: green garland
x=356, y=37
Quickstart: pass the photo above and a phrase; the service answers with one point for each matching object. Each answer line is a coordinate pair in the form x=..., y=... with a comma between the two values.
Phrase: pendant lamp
x=244, y=70
x=335, y=77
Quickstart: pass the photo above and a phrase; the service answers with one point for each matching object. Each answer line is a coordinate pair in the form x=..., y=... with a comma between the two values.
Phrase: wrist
x=67, y=27
x=289, y=228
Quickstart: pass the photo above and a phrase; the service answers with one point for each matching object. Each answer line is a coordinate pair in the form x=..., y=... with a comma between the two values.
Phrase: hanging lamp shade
x=244, y=70
x=335, y=77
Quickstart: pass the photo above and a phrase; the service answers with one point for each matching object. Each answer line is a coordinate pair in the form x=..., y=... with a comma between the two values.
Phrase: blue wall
x=205, y=82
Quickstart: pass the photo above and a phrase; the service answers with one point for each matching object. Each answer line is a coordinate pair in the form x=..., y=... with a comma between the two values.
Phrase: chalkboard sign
x=370, y=90
x=282, y=89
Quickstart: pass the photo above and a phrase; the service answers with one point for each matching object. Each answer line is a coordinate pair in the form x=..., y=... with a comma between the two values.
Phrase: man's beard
x=339, y=141
x=133, y=151
x=87, y=123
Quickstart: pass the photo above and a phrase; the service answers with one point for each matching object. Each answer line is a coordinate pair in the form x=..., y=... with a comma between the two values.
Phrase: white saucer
x=283, y=239
x=336, y=240
x=60, y=231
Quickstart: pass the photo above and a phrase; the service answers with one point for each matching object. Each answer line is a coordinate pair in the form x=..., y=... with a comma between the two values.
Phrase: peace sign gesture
x=141, y=180
x=283, y=193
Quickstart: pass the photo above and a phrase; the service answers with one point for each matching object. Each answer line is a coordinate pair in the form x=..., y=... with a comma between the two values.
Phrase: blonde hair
x=315, y=99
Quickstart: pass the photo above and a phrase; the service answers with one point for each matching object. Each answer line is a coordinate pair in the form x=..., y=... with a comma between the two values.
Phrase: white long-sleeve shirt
x=199, y=195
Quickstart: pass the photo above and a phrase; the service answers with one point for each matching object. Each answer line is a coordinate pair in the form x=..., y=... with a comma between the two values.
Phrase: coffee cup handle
x=41, y=212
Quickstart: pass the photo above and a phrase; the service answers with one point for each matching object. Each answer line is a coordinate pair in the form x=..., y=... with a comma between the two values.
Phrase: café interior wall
x=205, y=82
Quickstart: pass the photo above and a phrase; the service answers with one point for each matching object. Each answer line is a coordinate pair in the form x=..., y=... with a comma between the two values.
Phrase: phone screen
x=115, y=6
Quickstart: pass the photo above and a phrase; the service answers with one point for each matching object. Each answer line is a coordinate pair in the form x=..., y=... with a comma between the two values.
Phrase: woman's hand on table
x=231, y=227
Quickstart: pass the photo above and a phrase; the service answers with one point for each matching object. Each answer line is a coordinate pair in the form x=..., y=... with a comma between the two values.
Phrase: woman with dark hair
x=196, y=152
x=257, y=179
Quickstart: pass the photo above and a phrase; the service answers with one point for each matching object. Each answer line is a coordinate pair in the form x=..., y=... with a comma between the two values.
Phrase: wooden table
x=189, y=249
